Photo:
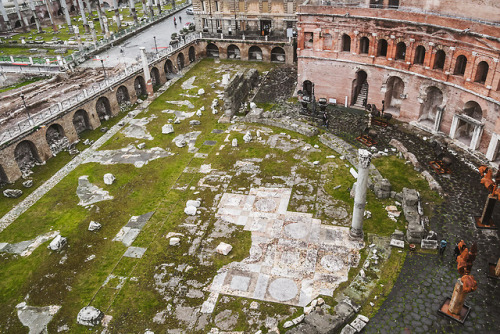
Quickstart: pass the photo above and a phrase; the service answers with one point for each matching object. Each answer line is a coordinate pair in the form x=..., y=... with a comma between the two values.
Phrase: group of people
x=175, y=20
x=459, y=247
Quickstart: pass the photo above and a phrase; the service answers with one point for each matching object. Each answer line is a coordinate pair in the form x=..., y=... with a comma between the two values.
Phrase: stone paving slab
x=135, y=252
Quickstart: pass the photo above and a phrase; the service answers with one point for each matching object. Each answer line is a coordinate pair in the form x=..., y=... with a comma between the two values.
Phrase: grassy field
x=132, y=294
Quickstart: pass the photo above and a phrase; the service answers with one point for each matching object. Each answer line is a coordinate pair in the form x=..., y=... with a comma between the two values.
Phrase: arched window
x=419, y=55
x=400, y=51
x=382, y=48
x=364, y=45
x=460, y=65
x=439, y=60
x=482, y=72
x=346, y=43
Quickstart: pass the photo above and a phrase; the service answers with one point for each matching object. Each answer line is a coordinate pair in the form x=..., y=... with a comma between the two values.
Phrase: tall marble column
x=5, y=17
x=117, y=14
x=464, y=285
x=66, y=15
x=132, y=10
x=360, y=196
x=84, y=17
x=147, y=75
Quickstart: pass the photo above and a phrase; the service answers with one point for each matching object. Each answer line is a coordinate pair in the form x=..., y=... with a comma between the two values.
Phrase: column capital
x=365, y=157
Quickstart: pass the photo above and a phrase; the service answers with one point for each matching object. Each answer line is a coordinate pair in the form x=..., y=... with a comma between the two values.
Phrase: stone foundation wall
x=237, y=90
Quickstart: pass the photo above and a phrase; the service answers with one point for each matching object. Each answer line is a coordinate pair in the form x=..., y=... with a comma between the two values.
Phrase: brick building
x=435, y=64
x=248, y=17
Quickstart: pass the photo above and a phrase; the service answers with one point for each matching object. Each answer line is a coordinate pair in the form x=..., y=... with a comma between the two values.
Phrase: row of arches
x=439, y=59
x=254, y=53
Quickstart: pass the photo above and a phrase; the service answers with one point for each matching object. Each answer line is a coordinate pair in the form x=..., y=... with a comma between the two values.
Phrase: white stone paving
x=293, y=257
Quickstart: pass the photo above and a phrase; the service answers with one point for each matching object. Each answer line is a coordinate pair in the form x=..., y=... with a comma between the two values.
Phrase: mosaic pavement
x=293, y=257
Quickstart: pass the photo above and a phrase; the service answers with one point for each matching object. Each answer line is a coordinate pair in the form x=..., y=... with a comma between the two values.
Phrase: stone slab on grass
x=135, y=252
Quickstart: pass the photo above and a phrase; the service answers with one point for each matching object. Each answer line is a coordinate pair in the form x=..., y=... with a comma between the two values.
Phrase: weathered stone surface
x=94, y=226
x=174, y=241
x=429, y=244
x=234, y=142
x=12, y=193
x=382, y=189
x=247, y=137
x=28, y=183
x=57, y=243
x=90, y=193
x=190, y=210
x=323, y=323
x=223, y=248
x=348, y=329
x=194, y=122
x=89, y=316
x=109, y=178
x=36, y=318
x=167, y=128
x=201, y=91
x=195, y=203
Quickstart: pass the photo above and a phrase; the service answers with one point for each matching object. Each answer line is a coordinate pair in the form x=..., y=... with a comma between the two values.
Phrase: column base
x=356, y=234
x=464, y=312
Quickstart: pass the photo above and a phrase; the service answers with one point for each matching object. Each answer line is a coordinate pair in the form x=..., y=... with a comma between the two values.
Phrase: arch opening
x=401, y=51
x=346, y=43
x=394, y=95
x=481, y=72
x=155, y=78
x=465, y=129
x=255, y=53
x=169, y=69
x=56, y=139
x=460, y=65
x=123, y=97
x=278, y=55
x=431, y=107
x=233, y=52
x=180, y=61
x=382, y=48
x=192, y=54
x=307, y=88
x=212, y=50
x=419, y=55
x=140, y=87
x=439, y=60
x=81, y=121
x=364, y=45
x=359, y=95
x=103, y=108
x=26, y=156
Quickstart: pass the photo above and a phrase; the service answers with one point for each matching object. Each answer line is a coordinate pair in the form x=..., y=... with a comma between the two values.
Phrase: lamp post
x=102, y=63
x=26, y=108
x=156, y=47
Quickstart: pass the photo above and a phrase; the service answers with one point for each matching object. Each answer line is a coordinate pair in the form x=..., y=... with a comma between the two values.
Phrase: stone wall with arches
x=425, y=68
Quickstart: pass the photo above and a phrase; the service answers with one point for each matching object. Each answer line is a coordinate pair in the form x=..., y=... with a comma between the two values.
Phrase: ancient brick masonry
x=434, y=69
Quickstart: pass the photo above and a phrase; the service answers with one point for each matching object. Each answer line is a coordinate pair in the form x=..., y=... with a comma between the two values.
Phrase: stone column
x=84, y=17
x=49, y=10
x=437, y=121
x=105, y=28
x=476, y=137
x=492, y=147
x=464, y=285
x=5, y=17
x=19, y=16
x=99, y=15
x=78, y=38
x=497, y=269
x=92, y=30
x=117, y=14
x=151, y=11
x=37, y=19
x=360, y=196
x=147, y=75
x=132, y=10
x=158, y=5
x=66, y=15
x=454, y=126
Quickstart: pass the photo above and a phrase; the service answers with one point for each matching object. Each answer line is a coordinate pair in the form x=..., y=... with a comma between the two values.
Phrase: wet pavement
x=427, y=279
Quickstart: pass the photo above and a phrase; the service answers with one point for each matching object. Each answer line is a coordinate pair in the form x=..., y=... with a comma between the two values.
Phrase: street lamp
x=102, y=63
x=26, y=108
x=156, y=47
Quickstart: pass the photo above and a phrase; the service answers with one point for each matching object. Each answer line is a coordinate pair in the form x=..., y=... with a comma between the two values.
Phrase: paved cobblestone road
x=426, y=280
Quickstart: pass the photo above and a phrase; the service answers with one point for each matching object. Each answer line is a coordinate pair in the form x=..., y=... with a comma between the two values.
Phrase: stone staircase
x=361, y=96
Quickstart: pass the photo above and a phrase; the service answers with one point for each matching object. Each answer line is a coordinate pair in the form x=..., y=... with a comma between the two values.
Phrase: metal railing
x=54, y=111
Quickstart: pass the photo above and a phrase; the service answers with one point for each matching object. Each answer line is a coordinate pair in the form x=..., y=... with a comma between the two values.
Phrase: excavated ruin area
x=43, y=94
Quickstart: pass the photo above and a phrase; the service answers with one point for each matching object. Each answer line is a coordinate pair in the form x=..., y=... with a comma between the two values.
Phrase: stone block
x=398, y=235
x=348, y=329
x=410, y=197
x=397, y=243
x=167, y=128
x=223, y=248
x=358, y=324
x=415, y=233
x=429, y=244
x=303, y=329
x=382, y=189
x=57, y=243
x=174, y=241
x=109, y=178
x=194, y=203
x=323, y=323
x=12, y=193
x=94, y=226
x=89, y=316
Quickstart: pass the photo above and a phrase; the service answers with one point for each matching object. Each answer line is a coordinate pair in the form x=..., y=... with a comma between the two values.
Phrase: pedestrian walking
x=175, y=22
x=442, y=246
x=180, y=19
